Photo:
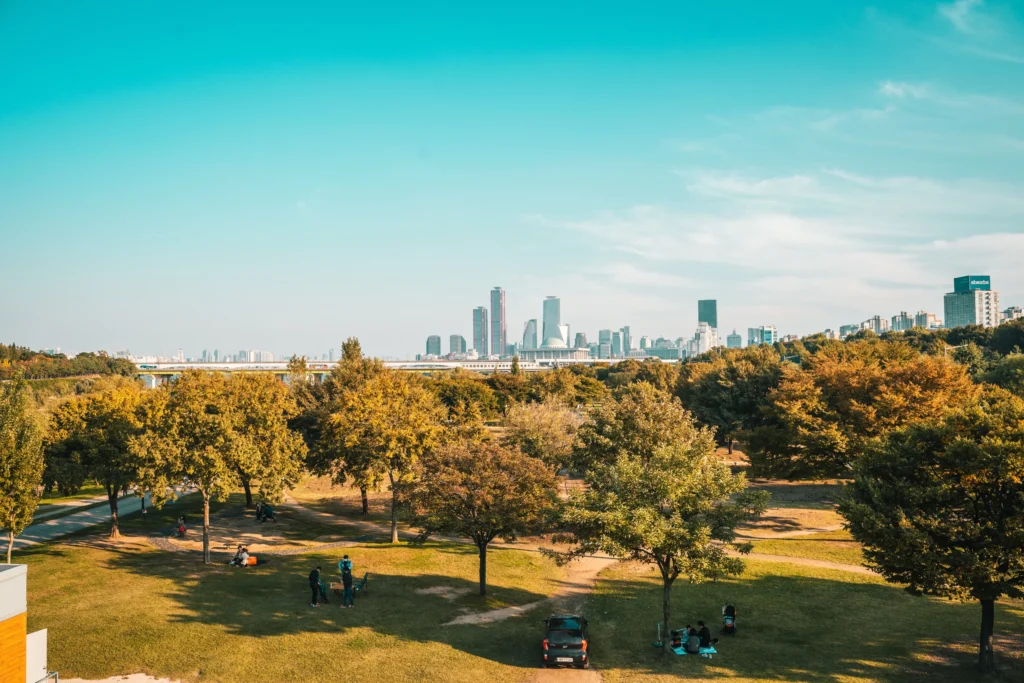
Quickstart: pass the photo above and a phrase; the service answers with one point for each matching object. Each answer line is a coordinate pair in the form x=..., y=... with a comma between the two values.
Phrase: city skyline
x=207, y=176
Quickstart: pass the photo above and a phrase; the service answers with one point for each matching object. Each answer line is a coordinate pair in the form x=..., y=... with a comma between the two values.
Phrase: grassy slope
x=125, y=611
x=796, y=624
x=832, y=546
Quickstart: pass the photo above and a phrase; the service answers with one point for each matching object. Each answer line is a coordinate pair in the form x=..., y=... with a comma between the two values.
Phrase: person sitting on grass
x=237, y=557
x=314, y=585
x=692, y=640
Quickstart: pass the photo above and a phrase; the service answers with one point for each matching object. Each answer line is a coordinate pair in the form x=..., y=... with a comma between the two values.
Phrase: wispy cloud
x=946, y=97
x=963, y=15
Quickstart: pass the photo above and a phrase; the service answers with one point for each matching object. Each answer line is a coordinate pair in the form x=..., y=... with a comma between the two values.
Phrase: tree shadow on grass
x=273, y=599
x=803, y=628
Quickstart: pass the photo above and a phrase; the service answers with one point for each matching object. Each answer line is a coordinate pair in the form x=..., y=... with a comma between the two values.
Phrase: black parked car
x=565, y=643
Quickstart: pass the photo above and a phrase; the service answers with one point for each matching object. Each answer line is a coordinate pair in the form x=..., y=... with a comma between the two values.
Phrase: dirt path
x=807, y=562
x=565, y=676
x=770, y=535
x=133, y=678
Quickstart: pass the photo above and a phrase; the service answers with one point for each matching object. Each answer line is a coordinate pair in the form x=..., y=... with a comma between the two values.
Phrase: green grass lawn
x=55, y=498
x=143, y=610
x=797, y=624
x=832, y=546
x=318, y=493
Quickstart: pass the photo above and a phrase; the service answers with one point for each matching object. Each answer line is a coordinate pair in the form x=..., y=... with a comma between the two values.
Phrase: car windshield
x=564, y=624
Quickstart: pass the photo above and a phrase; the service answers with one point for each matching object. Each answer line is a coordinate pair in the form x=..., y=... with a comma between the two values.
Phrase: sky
x=281, y=176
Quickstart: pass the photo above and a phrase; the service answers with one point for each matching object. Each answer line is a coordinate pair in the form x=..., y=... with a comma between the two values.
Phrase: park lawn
x=319, y=493
x=797, y=623
x=831, y=546
x=55, y=498
x=119, y=610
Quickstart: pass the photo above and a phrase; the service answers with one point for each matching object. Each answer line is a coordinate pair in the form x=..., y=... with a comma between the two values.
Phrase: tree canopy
x=939, y=505
x=21, y=461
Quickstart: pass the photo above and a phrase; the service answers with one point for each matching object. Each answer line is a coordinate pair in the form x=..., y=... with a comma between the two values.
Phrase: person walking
x=349, y=597
x=314, y=584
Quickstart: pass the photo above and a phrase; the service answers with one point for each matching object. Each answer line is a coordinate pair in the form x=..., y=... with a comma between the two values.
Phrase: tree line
x=20, y=360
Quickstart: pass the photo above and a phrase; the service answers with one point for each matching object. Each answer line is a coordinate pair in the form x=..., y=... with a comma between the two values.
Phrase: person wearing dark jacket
x=314, y=584
x=349, y=598
x=704, y=634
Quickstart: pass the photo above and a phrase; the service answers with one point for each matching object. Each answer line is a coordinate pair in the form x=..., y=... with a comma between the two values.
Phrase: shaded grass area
x=798, y=624
x=319, y=493
x=810, y=495
x=136, y=609
x=831, y=546
x=55, y=498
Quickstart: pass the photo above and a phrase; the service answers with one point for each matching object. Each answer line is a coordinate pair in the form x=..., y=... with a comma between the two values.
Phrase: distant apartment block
x=1013, y=313
x=766, y=334
x=456, y=344
x=902, y=322
x=480, y=332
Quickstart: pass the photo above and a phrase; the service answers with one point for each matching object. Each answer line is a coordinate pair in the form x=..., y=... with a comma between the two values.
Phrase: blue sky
x=284, y=175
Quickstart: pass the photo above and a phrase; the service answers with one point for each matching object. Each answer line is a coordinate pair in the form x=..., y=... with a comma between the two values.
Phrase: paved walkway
x=51, y=509
x=44, y=531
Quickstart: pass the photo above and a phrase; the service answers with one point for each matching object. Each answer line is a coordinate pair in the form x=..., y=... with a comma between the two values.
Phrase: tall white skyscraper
x=499, y=328
x=553, y=329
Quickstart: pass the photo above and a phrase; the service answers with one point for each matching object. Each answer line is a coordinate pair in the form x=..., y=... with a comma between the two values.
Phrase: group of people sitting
x=319, y=588
x=264, y=512
x=241, y=558
x=693, y=640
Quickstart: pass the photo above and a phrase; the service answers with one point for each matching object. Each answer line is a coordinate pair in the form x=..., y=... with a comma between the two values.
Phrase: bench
x=357, y=586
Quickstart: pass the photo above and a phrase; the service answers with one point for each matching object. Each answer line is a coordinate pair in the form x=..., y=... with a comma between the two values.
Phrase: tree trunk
x=394, y=515
x=115, y=532
x=206, y=529
x=483, y=568
x=10, y=545
x=986, y=657
x=366, y=500
x=666, y=606
x=248, y=491
x=730, y=446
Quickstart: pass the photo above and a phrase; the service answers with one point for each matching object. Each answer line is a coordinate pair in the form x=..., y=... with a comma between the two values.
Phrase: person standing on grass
x=349, y=597
x=314, y=584
x=345, y=565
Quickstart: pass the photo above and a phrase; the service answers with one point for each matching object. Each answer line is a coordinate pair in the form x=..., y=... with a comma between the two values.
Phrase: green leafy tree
x=297, y=369
x=90, y=437
x=262, y=406
x=21, y=461
x=546, y=431
x=481, y=491
x=1008, y=338
x=384, y=427
x=664, y=500
x=823, y=415
x=459, y=388
x=637, y=419
x=193, y=441
x=1008, y=373
x=939, y=506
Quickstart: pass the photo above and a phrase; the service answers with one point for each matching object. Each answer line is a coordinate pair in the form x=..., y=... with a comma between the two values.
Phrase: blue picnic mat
x=703, y=651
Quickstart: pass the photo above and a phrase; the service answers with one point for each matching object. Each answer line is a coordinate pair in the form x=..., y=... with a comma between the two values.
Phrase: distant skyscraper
x=499, y=330
x=766, y=334
x=646, y=343
x=707, y=312
x=480, y=331
x=902, y=322
x=734, y=341
x=530, y=334
x=972, y=302
x=581, y=341
x=846, y=330
x=616, y=344
x=456, y=344
x=604, y=337
x=876, y=324
x=330, y=355
x=627, y=341
x=434, y=345
x=553, y=328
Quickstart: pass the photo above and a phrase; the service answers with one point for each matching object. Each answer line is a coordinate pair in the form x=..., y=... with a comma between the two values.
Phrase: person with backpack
x=349, y=596
x=314, y=584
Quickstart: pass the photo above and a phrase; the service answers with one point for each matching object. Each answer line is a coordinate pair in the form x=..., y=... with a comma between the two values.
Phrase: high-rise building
x=766, y=334
x=928, y=321
x=972, y=302
x=846, y=330
x=902, y=322
x=604, y=337
x=499, y=330
x=434, y=345
x=330, y=354
x=480, y=331
x=876, y=324
x=1013, y=313
x=456, y=344
x=707, y=312
x=734, y=340
x=530, y=334
x=616, y=344
x=553, y=328
x=704, y=339
x=604, y=350
x=627, y=341
x=646, y=343
x=581, y=341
